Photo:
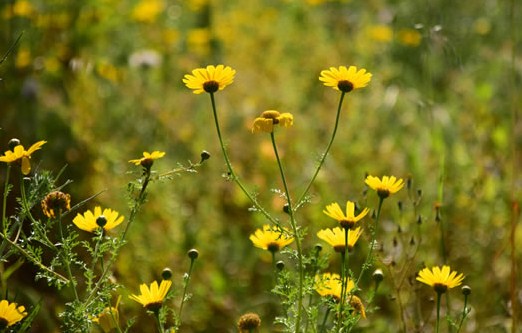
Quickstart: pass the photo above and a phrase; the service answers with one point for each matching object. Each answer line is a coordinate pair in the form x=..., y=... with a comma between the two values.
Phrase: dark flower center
x=440, y=288
x=101, y=221
x=3, y=323
x=211, y=86
x=339, y=248
x=154, y=307
x=346, y=224
x=383, y=194
x=345, y=86
x=273, y=247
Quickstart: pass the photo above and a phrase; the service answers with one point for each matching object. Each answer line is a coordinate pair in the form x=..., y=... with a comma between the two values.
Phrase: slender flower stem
x=323, y=324
x=65, y=257
x=187, y=280
x=295, y=234
x=367, y=262
x=343, y=290
x=438, y=312
x=300, y=202
x=232, y=175
x=4, y=203
x=464, y=313
x=158, y=321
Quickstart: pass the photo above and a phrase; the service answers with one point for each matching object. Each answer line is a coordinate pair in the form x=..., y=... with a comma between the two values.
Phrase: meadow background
x=100, y=80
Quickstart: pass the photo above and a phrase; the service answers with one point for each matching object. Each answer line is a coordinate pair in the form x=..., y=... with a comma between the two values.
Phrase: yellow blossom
x=347, y=220
x=148, y=158
x=336, y=238
x=345, y=79
x=329, y=285
x=409, y=37
x=271, y=238
x=147, y=11
x=90, y=221
x=209, y=79
x=10, y=313
x=441, y=279
x=152, y=297
x=385, y=186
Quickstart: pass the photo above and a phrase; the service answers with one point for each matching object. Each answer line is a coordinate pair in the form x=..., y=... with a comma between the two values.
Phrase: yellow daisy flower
x=209, y=79
x=148, y=158
x=108, y=319
x=346, y=221
x=20, y=154
x=329, y=285
x=270, y=238
x=269, y=118
x=345, y=79
x=56, y=202
x=152, y=298
x=385, y=186
x=107, y=219
x=336, y=238
x=10, y=313
x=441, y=279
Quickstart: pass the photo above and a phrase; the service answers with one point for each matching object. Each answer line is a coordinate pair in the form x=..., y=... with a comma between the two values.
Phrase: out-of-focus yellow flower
x=482, y=26
x=441, y=279
x=347, y=220
x=90, y=221
x=345, y=79
x=108, y=71
x=147, y=11
x=209, y=79
x=108, y=319
x=196, y=5
x=409, y=37
x=23, y=8
x=329, y=285
x=20, y=155
x=271, y=238
x=152, y=298
x=198, y=40
x=269, y=118
x=10, y=313
x=148, y=158
x=23, y=58
x=385, y=186
x=380, y=33
x=336, y=238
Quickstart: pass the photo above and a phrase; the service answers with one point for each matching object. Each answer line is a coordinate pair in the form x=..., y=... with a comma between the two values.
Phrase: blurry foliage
x=100, y=80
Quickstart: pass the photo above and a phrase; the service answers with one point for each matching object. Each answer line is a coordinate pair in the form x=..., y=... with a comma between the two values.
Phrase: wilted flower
x=56, y=202
x=20, y=155
x=269, y=118
x=249, y=322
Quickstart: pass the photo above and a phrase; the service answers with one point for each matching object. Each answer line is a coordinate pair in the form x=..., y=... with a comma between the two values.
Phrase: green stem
x=4, y=203
x=464, y=313
x=185, y=288
x=323, y=325
x=343, y=291
x=295, y=233
x=368, y=260
x=300, y=202
x=66, y=259
x=438, y=312
x=158, y=321
x=231, y=174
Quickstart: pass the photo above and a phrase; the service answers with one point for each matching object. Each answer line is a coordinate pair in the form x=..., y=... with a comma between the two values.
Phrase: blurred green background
x=100, y=80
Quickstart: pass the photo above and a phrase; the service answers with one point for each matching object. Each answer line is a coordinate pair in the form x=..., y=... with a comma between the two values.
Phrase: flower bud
x=166, y=274
x=466, y=290
x=280, y=265
x=378, y=275
x=13, y=143
x=193, y=254
x=205, y=155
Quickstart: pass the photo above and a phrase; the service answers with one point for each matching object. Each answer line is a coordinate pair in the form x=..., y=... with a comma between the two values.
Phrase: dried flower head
x=55, y=203
x=249, y=322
